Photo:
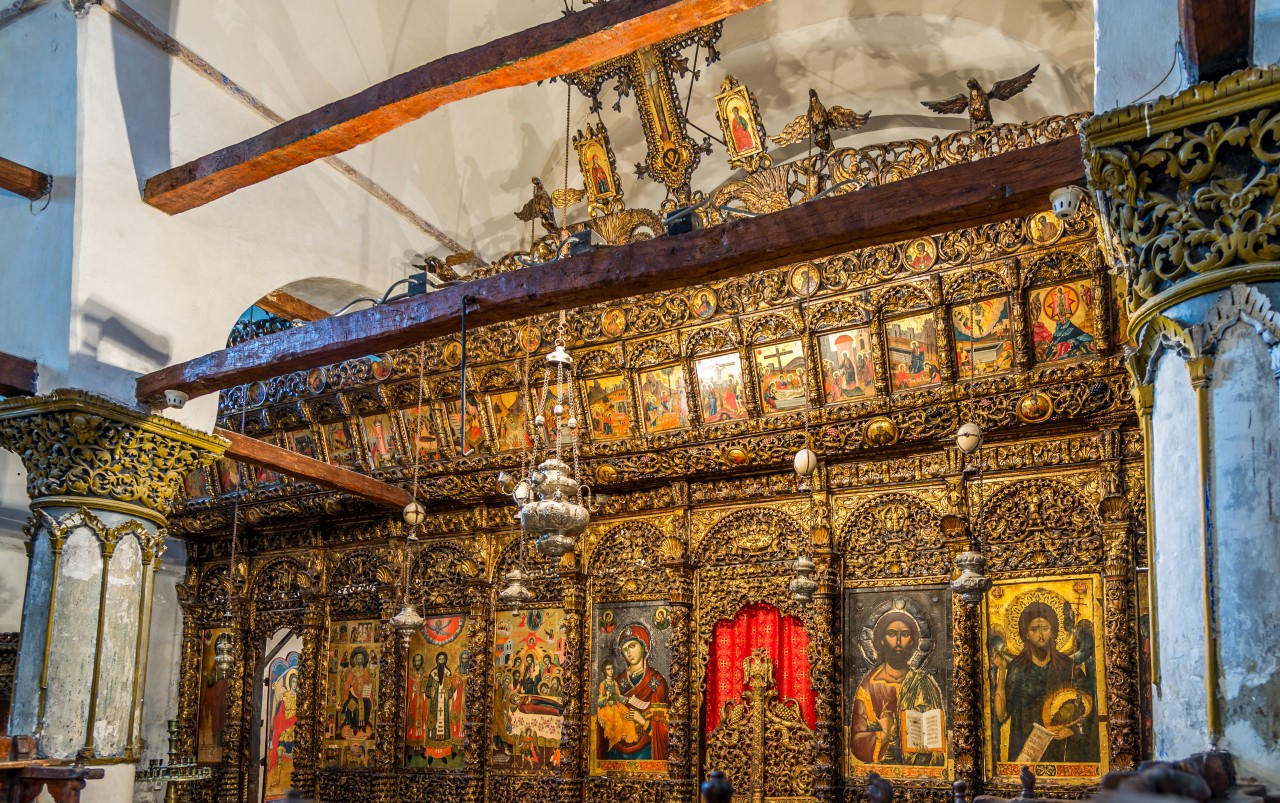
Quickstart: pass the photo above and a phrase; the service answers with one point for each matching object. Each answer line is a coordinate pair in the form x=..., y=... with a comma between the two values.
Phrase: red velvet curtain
x=759, y=625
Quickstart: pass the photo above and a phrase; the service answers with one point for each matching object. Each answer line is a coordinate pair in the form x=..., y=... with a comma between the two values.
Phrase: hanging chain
x=973, y=373
x=235, y=516
x=568, y=107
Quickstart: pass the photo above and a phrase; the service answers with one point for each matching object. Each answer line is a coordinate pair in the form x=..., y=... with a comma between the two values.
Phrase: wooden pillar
x=479, y=681
x=239, y=681
x=192, y=653
x=1121, y=634
x=390, y=690
x=307, y=753
x=825, y=647
x=573, y=741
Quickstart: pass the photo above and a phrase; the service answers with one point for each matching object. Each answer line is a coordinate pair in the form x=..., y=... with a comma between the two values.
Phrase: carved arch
x=711, y=340
x=894, y=535
x=1161, y=334
x=214, y=589
x=750, y=535
x=1240, y=304
x=278, y=584
x=771, y=327
x=443, y=573
x=1053, y=266
x=1040, y=523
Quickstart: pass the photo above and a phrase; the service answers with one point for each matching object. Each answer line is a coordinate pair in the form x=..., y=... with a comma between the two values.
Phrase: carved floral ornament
x=77, y=444
x=1188, y=184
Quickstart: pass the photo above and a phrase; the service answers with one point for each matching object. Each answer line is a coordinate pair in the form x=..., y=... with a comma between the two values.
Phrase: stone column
x=102, y=478
x=1187, y=186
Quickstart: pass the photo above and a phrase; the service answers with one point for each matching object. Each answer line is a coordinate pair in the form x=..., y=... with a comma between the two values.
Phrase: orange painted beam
x=571, y=43
x=961, y=196
x=22, y=180
x=290, y=307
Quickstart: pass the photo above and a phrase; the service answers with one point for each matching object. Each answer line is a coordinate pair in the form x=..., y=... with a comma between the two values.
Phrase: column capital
x=1187, y=188
x=83, y=450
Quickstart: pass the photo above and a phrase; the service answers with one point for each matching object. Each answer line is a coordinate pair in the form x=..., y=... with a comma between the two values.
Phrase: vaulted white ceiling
x=466, y=167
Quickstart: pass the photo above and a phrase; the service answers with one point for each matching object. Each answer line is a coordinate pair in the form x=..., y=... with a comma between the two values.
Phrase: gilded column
x=189, y=673
x=307, y=755
x=681, y=716
x=970, y=587
x=479, y=681
x=391, y=690
x=240, y=677
x=825, y=650
x=102, y=478
x=1187, y=188
x=573, y=741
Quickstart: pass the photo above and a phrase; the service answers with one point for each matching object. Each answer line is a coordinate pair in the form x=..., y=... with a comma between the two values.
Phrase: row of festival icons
x=1063, y=327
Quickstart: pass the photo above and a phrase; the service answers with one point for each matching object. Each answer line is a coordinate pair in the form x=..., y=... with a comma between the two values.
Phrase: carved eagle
x=977, y=101
x=539, y=207
x=818, y=121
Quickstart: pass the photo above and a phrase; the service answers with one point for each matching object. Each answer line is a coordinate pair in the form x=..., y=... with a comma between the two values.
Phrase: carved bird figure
x=539, y=207
x=818, y=121
x=977, y=101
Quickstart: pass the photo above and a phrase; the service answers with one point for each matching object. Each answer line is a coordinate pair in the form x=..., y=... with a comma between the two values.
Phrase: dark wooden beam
x=1217, y=35
x=17, y=376
x=22, y=180
x=987, y=191
x=572, y=42
x=260, y=453
x=289, y=307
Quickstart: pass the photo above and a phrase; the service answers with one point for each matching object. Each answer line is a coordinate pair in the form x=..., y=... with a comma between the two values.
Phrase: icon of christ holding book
x=897, y=709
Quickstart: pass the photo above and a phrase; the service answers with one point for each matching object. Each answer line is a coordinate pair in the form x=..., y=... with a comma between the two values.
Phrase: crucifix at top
x=651, y=73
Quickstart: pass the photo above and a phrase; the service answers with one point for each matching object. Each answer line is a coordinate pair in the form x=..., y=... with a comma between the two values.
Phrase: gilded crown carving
x=1188, y=186
x=76, y=444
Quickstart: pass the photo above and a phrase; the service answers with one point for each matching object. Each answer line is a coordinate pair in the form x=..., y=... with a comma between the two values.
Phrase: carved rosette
x=77, y=446
x=1188, y=185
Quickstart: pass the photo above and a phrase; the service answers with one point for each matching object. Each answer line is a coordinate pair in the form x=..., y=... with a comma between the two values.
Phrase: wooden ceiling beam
x=1217, y=36
x=961, y=196
x=260, y=453
x=17, y=376
x=22, y=180
x=290, y=307
x=571, y=43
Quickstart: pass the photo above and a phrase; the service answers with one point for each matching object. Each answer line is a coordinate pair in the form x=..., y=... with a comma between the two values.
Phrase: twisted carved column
x=189, y=677
x=680, y=721
x=390, y=692
x=966, y=638
x=573, y=742
x=102, y=479
x=480, y=681
x=826, y=677
x=1121, y=635
x=307, y=753
x=235, y=747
